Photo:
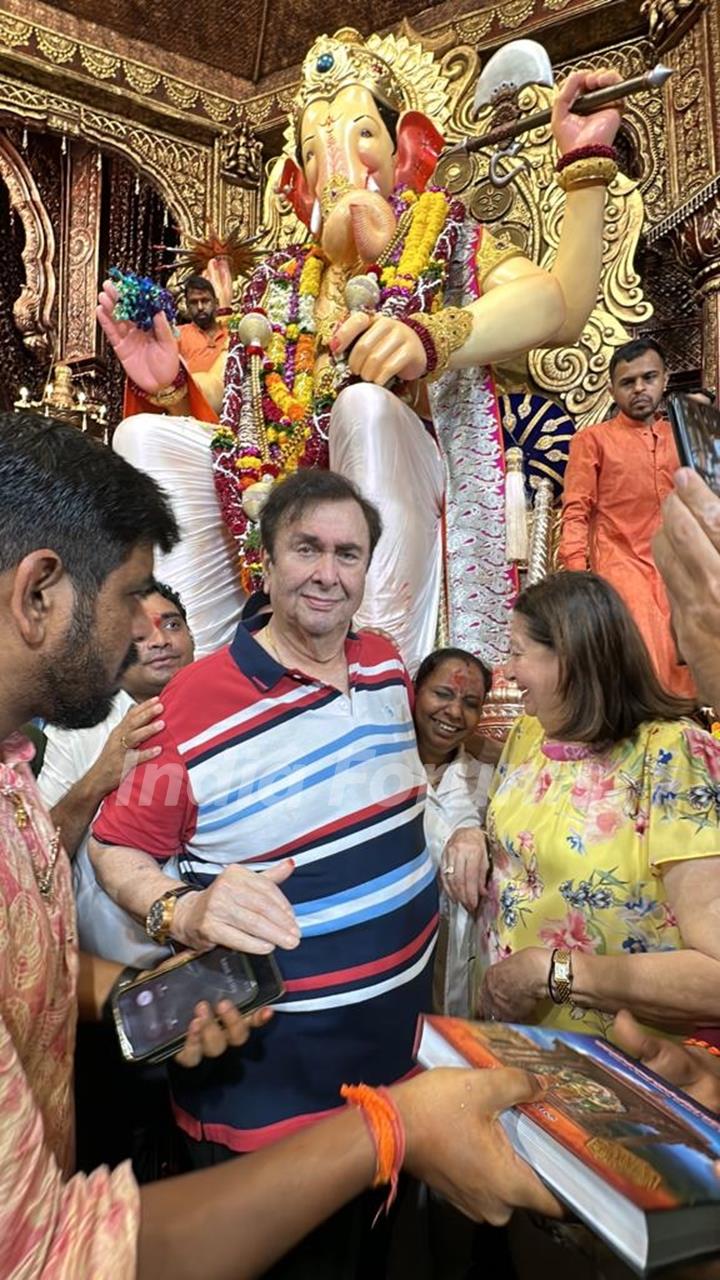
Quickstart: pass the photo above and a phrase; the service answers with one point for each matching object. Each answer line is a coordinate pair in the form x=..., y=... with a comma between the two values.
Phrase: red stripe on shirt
x=368, y=970
x=253, y=1139
x=361, y=816
x=276, y=711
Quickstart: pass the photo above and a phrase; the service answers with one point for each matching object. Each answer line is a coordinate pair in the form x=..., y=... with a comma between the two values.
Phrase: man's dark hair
x=201, y=283
x=155, y=588
x=438, y=656
x=633, y=350
x=62, y=490
x=607, y=681
x=306, y=488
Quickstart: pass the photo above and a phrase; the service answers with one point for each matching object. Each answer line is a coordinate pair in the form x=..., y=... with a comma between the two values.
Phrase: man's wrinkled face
x=163, y=645
x=316, y=576
x=82, y=672
x=638, y=386
x=201, y=307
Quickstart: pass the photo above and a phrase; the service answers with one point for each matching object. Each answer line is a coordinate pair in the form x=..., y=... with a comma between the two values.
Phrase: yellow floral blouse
x=579, y=839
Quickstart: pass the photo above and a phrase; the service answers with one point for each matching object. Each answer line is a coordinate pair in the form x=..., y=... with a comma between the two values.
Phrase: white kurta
x=457, y=797
x=104, y=929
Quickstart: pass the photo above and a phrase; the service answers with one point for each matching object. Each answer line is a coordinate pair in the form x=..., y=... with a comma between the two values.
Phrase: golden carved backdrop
x=207, y=146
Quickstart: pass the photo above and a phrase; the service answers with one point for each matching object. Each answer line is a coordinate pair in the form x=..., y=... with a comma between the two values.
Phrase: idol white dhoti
x=379, y=443
x=202, y=568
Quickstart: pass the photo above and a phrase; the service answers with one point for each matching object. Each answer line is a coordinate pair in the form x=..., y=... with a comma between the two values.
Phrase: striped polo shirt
x=260, y=763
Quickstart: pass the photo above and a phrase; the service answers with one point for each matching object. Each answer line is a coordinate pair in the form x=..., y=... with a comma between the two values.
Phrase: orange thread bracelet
x=702, y=1044
x=386, y=1130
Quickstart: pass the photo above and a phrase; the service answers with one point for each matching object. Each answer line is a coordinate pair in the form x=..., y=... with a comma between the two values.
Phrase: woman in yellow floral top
x=604, y=826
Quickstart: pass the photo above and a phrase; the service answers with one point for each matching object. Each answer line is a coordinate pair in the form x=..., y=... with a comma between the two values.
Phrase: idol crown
x=343, y=59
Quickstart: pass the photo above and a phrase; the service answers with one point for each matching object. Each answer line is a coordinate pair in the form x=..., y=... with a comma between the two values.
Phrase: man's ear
x=39, y=579
x=266, y=562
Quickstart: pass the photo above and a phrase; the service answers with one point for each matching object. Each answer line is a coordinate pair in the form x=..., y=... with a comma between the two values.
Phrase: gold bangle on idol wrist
x=449, y=330
x=590, y=171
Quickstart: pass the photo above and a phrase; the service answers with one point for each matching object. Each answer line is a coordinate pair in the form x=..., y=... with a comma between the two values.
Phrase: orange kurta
x=199, y=350
x=618, y=475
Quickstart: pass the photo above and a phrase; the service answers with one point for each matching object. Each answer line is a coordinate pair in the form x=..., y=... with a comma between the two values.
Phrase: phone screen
x=696, y=428
x=158, y=1009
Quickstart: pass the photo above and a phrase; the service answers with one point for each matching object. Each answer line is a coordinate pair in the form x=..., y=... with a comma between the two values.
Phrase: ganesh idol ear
x=418, y=147
x=293, y=186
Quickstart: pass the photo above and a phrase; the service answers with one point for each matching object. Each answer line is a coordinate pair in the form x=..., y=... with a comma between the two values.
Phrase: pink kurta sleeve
x=579, y=500
x=76, y=1230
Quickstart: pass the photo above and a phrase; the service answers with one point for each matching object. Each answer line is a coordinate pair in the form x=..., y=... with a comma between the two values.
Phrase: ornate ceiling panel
x=246, y=38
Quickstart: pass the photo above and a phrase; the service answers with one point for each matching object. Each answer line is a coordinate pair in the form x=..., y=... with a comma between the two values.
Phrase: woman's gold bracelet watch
x=560, y=977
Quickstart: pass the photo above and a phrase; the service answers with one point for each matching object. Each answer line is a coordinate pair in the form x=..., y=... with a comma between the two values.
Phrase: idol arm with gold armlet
x=522, y=305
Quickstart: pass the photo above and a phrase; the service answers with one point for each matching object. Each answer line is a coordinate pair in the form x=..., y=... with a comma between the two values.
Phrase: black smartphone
x=696, y=427
x=153, y=1012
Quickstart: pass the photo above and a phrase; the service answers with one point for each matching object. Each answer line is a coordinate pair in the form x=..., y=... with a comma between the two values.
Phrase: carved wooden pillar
x=236, y=181
x=687, y=37
x=696, y=242
x=32, y=311
x=80, y=255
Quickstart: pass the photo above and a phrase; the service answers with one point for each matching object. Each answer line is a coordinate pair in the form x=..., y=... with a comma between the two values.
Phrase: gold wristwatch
x=560, y=979
x=158, y=921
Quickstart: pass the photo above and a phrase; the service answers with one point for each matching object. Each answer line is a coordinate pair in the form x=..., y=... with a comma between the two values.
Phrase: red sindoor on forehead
x=461, y=676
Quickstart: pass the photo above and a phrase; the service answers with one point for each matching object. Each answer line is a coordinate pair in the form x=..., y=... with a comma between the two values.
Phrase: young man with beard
x=80, y=767
x=204, y=339
x=618, y=474
x=77, y=529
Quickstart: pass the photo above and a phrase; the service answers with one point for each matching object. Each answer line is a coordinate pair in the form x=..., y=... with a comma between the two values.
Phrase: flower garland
x=296, y=409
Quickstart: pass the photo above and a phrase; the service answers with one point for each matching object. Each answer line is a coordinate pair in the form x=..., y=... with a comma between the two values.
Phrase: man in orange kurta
x=618, y=474
x=203, y=347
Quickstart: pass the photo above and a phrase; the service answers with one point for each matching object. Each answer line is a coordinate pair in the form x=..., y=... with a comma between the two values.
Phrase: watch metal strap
x=560, y=978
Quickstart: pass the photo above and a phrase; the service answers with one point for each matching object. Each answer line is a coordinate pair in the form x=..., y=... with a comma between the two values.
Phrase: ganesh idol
x=369, y=348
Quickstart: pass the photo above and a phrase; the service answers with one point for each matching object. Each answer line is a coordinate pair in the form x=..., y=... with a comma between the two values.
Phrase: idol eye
x=366, y=133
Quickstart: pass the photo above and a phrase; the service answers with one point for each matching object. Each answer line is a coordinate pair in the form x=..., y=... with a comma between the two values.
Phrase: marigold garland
x=296, y=412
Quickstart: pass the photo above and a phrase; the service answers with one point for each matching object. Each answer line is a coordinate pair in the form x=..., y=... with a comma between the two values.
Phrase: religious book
x=631, y=1156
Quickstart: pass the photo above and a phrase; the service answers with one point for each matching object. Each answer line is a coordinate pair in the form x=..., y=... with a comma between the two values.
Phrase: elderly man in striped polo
x=289, y=758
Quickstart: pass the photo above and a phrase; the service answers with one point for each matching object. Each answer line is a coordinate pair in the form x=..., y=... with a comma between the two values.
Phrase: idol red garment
x=618, y=475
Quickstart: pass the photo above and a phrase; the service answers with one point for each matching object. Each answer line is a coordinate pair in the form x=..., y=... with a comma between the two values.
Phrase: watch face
x=155, y=917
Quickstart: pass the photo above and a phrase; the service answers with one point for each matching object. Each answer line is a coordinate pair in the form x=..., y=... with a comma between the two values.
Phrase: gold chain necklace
x=43, y=876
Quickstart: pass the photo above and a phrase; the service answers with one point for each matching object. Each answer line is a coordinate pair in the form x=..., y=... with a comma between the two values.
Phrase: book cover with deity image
x=631, y=1156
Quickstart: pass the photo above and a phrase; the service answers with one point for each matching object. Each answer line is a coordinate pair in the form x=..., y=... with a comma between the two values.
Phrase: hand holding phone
x=696, y=427
x=152, y=1013
x=215, y=1030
